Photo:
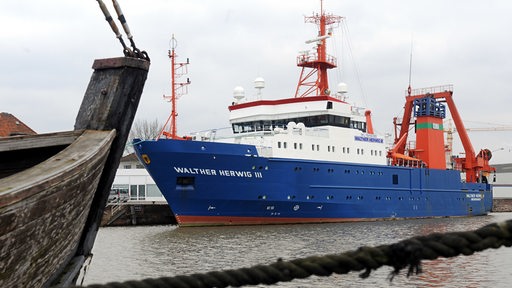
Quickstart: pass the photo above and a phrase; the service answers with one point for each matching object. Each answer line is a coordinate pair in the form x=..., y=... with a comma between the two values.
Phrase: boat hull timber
x=261, y=190
x=37, y=202
x=54, y=187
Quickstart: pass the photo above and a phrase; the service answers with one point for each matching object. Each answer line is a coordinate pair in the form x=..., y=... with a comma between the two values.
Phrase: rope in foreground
x=407, y=253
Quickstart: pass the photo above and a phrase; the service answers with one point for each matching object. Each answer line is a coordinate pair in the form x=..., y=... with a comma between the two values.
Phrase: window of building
x=142, y=192
x=153, y=191
x=133, y=192
x=121, y=188
x=138, y=192
x=119, y=193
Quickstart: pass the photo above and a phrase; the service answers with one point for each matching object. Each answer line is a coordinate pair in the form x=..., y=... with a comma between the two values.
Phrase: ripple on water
x=128, y=253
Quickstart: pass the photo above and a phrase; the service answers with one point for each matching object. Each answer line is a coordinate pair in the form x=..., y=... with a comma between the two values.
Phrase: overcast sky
x=48, y=47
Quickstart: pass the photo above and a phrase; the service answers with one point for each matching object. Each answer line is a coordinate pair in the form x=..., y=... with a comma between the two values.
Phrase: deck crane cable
x=345, y=30
x=410, y=70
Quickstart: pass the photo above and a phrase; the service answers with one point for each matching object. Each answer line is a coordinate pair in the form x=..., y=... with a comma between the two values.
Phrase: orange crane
x=449, y=131
x=497, y=128
x=429, y=150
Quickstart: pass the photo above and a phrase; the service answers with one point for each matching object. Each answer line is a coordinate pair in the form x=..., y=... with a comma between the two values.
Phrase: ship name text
x=218, y=172
x=369, y=139
x=474, y=196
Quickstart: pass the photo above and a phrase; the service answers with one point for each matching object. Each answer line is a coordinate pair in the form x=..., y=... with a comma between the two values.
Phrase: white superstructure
x=320, y=128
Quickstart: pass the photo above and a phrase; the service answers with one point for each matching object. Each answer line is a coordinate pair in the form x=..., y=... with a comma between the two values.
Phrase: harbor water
x=135, y=253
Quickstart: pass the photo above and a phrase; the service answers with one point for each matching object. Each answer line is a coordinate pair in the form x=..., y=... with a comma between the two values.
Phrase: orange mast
x=177, y=89
x=320, y=62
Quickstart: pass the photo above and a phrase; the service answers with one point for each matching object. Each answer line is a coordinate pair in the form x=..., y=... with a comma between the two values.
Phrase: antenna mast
x=319, y=62
x=410, y=72
x=177, y=90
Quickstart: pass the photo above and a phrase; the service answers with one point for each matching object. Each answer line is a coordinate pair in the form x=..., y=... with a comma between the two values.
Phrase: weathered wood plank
x=50, y=212
x=21, y=152
x=49, y=203
x=110, y=102
x=38, y=140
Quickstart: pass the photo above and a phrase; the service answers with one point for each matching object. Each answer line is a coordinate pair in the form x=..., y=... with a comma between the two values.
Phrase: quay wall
x=159, y=213
x=502, y=205
x=137, y=213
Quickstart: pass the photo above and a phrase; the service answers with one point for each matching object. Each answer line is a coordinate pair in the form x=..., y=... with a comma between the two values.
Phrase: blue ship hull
x=208, y=183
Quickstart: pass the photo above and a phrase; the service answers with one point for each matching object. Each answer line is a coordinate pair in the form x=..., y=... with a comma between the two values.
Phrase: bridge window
x=309, y=121
x=358, y=125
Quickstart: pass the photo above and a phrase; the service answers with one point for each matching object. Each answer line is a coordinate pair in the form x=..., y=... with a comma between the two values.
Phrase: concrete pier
x=137, y=213
x=502, y=205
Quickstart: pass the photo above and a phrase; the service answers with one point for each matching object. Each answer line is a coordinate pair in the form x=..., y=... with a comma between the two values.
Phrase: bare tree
x=142, y=129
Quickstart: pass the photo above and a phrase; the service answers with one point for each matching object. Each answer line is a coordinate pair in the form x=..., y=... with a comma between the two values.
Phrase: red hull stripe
x=226, y=220
x=283, y=101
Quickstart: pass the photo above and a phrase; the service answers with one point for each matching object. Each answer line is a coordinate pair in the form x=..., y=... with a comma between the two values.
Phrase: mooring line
x=407, y=253
x=126, y=50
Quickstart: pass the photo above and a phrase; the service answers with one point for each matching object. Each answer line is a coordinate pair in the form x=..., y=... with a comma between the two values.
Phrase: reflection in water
x=127, y=253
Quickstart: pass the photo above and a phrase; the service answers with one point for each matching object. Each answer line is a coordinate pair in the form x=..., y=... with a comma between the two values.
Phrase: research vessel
x=315, y=158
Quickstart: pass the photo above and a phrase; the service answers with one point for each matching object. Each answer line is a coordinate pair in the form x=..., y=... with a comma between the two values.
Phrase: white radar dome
x=238, y=93
x=259, y=83
x=342, y=88
x=291, y=125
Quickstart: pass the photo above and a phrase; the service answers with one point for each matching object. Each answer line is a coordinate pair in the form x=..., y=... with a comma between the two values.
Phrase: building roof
x=11, y=126
x=130, y=158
